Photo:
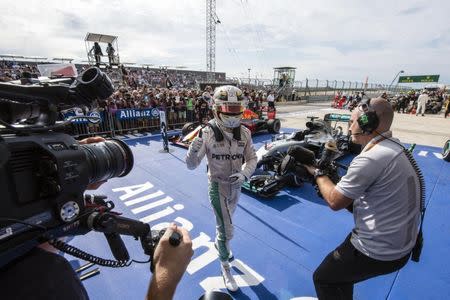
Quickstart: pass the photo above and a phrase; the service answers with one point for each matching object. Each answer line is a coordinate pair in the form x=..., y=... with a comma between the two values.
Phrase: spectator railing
x=127, y=121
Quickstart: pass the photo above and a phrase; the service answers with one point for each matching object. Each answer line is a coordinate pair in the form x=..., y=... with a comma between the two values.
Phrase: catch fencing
x=318, y=87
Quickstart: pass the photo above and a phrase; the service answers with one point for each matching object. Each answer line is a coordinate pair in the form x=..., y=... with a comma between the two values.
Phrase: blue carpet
x=278, y=243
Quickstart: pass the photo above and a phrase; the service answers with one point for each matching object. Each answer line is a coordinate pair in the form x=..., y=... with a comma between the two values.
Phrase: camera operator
x=43, y=274
x=383, y=188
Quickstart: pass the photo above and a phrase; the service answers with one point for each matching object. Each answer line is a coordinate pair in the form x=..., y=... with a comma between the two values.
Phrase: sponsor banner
x=419, y=78
x=128, y=114
x=98, y=115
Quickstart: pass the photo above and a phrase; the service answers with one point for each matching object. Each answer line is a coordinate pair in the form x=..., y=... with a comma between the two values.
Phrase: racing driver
x=231, y=159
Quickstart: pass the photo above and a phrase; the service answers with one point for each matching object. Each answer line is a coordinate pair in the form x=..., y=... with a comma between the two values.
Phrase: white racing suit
x=225, y=158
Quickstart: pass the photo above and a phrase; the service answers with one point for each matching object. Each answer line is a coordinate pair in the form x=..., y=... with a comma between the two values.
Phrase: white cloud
x=324, y=39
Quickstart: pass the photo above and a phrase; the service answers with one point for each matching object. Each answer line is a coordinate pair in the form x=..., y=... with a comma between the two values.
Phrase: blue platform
x=278, y=243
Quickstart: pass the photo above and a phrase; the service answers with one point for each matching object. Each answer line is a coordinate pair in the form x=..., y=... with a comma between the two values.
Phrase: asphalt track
x=431, y=130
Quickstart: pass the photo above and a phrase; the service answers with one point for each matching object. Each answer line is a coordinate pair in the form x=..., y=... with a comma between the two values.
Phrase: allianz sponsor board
x=128, y=114
x=98, y=117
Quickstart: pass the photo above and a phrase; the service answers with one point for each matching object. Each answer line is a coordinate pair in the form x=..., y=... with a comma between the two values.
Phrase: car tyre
x=274, y=125
x=446, y=151
x=188, y=127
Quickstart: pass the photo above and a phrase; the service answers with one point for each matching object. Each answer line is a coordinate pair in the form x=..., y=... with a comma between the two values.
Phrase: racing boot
x=228, y=279
x=230, y=254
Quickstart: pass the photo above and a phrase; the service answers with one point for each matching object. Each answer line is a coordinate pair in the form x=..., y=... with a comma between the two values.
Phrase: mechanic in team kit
x=231, y=159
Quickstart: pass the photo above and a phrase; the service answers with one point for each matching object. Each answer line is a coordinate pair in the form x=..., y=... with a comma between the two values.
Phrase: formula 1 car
x=254, y=122
x=265, y=120
x=188, y=133
x=271, y=174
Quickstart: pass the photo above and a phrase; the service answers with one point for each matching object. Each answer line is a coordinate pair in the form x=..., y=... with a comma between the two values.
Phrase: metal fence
x=128, y=121
x=314, y=87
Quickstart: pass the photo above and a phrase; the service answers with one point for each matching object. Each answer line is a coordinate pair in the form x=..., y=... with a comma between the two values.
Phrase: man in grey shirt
x=383, y=189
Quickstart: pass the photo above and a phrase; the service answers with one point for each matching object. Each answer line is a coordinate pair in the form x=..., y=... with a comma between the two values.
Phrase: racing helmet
x=228, y=106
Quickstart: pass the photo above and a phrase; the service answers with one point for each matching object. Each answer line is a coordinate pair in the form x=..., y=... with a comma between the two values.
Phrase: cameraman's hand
x=92, y=140
x=170, y=264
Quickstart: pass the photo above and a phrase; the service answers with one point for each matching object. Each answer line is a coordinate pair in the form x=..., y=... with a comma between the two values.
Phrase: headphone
x=368, y=121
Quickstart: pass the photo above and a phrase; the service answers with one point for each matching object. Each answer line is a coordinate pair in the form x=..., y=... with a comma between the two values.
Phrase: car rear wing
x=332, y=117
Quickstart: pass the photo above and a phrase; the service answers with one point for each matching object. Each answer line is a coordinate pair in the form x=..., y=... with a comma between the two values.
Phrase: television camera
x=292, y=165
x=45, y=172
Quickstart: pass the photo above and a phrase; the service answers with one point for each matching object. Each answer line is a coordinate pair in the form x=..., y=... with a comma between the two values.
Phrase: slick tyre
x=188, y=127
x=273, y=125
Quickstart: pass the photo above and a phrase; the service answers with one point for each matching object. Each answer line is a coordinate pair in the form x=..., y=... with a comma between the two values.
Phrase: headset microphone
x=357, y=133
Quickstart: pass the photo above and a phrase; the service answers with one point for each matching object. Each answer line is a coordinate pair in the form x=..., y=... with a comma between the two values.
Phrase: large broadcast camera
x=45, y=172
x=298, y=156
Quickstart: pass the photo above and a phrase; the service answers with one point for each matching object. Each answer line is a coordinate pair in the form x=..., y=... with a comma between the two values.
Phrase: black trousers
x=345, y=266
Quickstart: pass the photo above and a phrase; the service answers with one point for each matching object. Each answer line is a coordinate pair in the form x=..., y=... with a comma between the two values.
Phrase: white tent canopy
x=100, y=38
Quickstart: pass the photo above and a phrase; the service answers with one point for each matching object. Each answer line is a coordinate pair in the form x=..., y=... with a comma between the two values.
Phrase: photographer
x=96, y=50
x=110, y=51
x=384, y=190
x=43, y=274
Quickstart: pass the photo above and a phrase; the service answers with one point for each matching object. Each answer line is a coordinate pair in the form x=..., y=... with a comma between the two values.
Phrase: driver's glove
x=237, y=179
x=197, y=143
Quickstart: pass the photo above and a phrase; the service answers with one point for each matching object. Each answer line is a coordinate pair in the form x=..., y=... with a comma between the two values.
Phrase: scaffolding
x=283, y=80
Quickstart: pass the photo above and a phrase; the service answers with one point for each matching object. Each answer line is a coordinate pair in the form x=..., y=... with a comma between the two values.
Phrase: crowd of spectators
x=137, y=77
x=181, y=104
x=10, y=70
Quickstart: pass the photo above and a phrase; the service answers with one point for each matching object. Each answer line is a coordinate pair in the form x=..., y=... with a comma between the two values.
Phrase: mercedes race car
x=446, y=151
x=272, y=174
x=255, y=123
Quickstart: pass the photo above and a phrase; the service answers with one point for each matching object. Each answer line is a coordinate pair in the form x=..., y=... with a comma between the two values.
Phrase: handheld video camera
x=44, y=173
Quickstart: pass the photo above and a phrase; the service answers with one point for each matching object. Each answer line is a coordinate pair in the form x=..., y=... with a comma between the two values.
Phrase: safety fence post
x=306, y=85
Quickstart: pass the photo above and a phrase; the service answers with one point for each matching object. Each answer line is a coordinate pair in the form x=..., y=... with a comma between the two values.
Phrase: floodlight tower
x=211, y=21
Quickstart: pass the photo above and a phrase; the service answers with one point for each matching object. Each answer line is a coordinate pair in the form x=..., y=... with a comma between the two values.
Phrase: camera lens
x=105, y=160
x=92, y=84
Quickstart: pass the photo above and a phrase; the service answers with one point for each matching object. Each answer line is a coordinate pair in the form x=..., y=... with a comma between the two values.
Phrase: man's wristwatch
x=318, y=173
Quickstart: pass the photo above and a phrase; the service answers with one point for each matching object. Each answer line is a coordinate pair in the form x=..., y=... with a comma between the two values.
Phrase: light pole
x=249, y=75
x=400, y=72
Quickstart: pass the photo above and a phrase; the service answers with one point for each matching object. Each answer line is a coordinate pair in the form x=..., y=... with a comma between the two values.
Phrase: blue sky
x=344, y=40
